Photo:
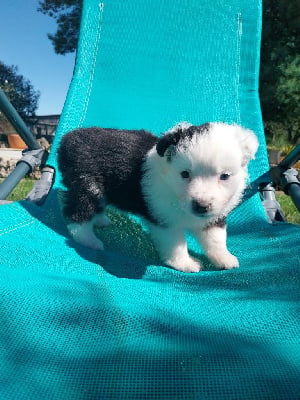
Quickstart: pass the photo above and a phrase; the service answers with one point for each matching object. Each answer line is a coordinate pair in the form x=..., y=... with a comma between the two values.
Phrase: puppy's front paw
x=224, y=260
x=187, y=264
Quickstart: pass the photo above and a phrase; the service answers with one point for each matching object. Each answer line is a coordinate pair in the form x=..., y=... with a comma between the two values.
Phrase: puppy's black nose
x=199, y=208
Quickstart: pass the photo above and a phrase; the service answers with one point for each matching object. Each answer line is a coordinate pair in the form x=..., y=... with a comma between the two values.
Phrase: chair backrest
x=150, y=64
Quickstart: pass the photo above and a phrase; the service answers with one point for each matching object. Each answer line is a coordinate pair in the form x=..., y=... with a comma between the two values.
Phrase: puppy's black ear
x=168, y=142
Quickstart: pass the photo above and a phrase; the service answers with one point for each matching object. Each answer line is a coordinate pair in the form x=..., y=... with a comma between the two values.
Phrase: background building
x=42, y=126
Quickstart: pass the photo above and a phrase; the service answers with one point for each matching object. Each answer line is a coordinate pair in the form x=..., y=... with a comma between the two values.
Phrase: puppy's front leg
x=213, y=239
x=172, y=248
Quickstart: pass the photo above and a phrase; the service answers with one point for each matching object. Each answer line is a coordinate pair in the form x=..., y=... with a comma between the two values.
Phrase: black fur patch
x=173, y=138
x=104, y=166
x=221, y=223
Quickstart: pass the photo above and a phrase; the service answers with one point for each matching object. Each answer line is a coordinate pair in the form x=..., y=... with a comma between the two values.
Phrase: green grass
x=21, y=191
x=288, y=207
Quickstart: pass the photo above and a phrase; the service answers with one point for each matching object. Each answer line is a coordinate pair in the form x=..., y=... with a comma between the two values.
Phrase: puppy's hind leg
x=83, y=209
x=84, y=234
x=101, y=220
x=80, y=202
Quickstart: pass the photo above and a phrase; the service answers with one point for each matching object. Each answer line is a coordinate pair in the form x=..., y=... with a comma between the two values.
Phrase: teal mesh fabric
x=77, y=324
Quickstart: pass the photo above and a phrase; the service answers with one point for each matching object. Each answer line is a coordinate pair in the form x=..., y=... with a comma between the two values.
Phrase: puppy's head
x=205, y=166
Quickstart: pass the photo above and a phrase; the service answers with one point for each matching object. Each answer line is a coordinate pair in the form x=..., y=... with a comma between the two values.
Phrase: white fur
x=225, y=149
x=84, y=233
x=213, y=241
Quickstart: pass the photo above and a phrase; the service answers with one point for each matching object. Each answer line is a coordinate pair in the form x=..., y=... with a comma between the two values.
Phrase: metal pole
x=291, y=158
x=294, y=192
x=8, y=185
x=14, y=118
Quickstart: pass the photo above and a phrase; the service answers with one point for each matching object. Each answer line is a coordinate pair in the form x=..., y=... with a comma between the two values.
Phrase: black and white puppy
x=189, y=179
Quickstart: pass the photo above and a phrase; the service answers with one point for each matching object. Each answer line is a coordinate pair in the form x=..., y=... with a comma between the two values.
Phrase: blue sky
x=24, y=43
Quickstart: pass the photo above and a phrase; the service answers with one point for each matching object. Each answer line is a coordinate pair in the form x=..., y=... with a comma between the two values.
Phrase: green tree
x=288, y=95
x=67, y=14
x=280, y=69
x=19, y=90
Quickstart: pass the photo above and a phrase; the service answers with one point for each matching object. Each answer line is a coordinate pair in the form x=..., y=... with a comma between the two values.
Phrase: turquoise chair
x=78, y=324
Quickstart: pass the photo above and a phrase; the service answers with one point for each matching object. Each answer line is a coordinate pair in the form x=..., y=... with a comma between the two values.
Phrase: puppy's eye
x=224, y=177
x=185, y=174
